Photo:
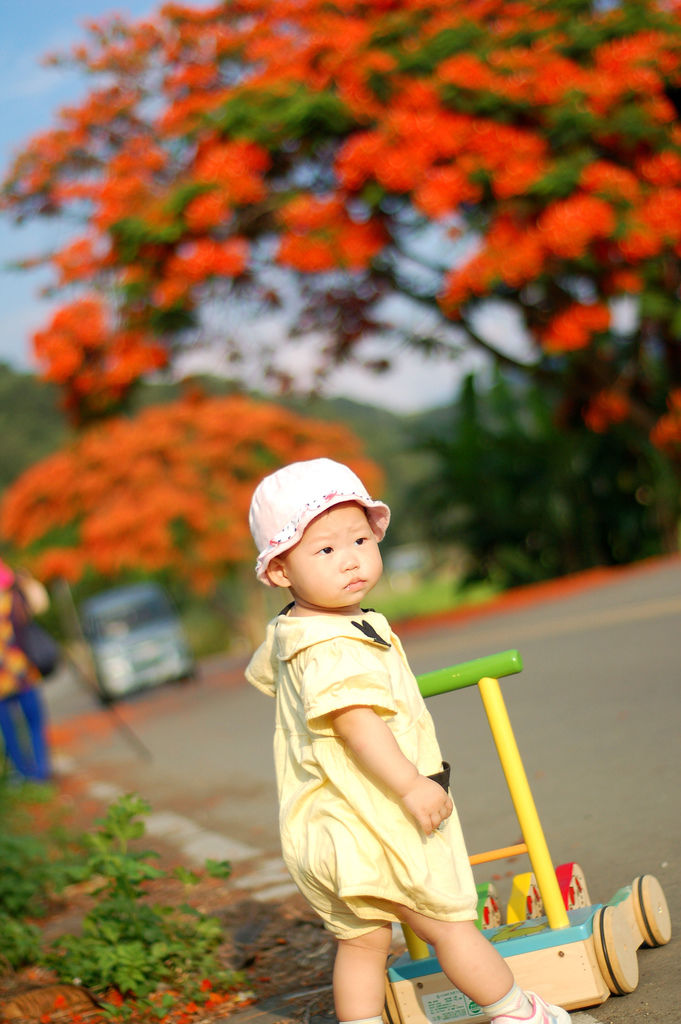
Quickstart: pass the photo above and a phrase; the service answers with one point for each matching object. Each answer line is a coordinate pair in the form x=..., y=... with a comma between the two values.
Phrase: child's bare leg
x=471, y=963
x=359, y=975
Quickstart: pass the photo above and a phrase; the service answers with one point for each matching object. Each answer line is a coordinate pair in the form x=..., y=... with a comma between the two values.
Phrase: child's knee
x=434, y=930
x=376, y=941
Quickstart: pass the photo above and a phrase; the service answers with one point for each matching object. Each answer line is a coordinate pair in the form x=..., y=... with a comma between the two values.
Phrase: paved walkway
x=140, y=745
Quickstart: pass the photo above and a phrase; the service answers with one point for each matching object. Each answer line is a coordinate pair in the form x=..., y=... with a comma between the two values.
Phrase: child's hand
x=427, y=801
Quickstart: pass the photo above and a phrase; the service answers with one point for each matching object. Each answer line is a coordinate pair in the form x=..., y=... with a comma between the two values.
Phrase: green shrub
x=30, y=875
x=126, y=943
x=19, y=941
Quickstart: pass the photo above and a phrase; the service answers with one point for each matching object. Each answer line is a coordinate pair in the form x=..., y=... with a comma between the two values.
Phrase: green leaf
x=636, y=125
x=658, y=305
x=171, y=320
x=563, y=175
x=186, y=876
x=465, y=37
x=675, y=323
x=183, y=195
x=218, y=868
x=132, y=233
x=571, y=123
x=268, y=118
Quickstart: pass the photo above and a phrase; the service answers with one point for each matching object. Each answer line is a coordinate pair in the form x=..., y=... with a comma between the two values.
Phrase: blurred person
x=22, y=712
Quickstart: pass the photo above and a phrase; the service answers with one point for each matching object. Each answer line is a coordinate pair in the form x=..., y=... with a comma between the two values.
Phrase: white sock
x=363, y=1020
x=515, y=1001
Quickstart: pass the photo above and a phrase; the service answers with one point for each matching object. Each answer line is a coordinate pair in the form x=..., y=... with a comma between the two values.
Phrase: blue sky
x=29, y=96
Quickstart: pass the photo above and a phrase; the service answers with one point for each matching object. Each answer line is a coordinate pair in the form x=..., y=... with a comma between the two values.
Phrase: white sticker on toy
x=448, y=1007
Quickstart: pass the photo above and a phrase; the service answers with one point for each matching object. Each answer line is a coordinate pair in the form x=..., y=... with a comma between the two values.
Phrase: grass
x=428, y=596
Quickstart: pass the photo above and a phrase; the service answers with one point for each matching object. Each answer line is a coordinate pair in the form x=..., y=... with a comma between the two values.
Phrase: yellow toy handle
x=523, y=802
x=485, y=673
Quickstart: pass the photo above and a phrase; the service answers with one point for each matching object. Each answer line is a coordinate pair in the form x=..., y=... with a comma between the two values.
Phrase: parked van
x=136, y=639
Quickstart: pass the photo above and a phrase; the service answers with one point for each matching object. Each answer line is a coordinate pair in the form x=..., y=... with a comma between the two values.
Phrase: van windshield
x=126, y=616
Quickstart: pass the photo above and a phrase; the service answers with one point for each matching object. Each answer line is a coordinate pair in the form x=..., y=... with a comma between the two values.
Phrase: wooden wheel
x=615, y=951
x=651, y=910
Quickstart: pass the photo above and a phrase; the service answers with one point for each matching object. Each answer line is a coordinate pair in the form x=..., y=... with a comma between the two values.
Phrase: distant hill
x=31, y=423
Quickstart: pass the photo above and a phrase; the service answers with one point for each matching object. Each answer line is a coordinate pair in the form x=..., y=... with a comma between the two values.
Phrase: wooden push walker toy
x=558, y=944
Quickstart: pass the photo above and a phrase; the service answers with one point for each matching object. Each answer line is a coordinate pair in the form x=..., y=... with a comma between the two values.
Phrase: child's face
x=335, y=564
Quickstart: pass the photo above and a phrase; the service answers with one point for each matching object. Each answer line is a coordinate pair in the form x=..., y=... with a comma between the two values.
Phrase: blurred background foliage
x=455, y=178
x=492, y=491
x=530, y=497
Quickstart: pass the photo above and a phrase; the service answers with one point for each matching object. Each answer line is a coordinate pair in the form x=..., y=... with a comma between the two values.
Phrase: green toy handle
x=469, y=673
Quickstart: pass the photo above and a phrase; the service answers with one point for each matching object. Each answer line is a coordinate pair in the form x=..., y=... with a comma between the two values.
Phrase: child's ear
x=276, y=573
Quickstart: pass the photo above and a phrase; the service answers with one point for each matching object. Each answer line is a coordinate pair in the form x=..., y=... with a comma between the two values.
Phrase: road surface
x=596, y=712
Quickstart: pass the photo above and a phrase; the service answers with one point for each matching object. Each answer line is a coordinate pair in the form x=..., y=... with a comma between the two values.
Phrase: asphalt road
x=596, y=712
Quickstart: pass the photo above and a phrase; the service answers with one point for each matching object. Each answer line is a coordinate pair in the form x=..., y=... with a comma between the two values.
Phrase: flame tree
x=166, y=492
x=329, y=156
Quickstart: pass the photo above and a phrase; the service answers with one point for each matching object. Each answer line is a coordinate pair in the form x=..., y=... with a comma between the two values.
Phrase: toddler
x=368, y=830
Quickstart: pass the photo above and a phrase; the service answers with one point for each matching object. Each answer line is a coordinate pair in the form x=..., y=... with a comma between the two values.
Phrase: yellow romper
x=351, y=848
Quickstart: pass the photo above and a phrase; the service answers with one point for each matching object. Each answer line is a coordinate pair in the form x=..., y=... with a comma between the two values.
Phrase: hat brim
x=378, y=515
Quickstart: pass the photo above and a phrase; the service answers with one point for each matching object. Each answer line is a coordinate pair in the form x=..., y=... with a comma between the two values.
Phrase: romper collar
x=294, y=634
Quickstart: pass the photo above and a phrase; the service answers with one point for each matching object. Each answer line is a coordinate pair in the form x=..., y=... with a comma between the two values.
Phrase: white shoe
x=542, y=1013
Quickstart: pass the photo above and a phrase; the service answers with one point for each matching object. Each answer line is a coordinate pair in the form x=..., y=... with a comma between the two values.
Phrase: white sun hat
x=287, y=501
